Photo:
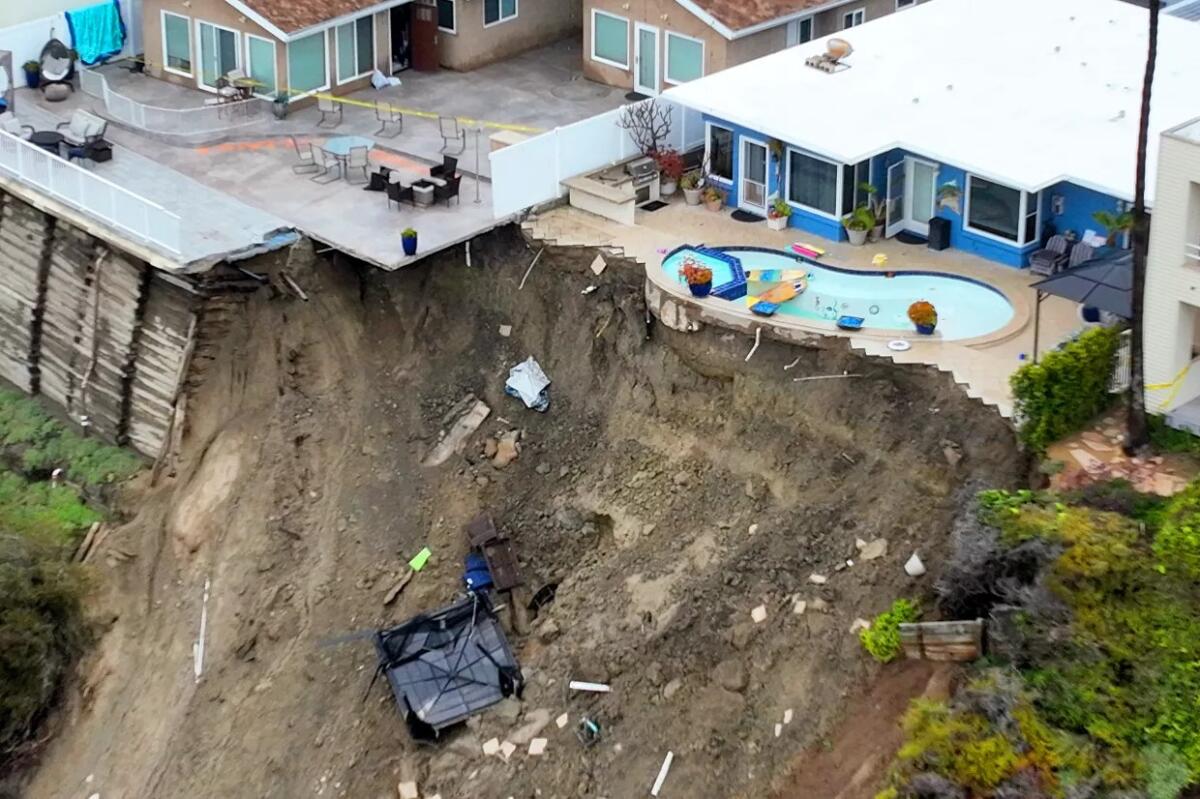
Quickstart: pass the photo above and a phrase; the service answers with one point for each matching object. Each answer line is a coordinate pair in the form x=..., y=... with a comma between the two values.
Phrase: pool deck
x=981, y=365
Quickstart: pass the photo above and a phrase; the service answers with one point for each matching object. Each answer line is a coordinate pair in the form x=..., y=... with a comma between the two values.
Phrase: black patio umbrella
x=1104, y=283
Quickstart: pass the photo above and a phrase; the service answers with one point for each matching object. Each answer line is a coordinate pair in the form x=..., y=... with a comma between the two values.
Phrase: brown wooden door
x=425, y=35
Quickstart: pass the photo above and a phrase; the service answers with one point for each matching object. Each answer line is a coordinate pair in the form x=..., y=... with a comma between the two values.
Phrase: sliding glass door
x=218, y=52
x=260, y=65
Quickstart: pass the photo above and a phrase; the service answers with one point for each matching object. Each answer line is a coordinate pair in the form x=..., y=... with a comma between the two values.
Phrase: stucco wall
x=828, y=22
x=666, y=15
x=756, y=45
x=221, y=13
x=538, y=22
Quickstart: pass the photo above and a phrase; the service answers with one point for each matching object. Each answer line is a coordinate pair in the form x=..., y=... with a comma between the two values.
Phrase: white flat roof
x=1025, y=92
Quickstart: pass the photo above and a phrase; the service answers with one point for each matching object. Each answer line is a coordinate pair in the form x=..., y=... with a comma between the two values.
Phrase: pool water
x=965, y=308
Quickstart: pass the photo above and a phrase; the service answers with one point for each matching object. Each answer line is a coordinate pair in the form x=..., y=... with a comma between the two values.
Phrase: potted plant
x=1114, y=224
x=691, y=184
x=33, y=73
x=699, y=278
x=778, y=214
x=924, y=316
x=859, y=224
x=670, y=167
x=714, y=198
x=408, y=237
x=875, y=205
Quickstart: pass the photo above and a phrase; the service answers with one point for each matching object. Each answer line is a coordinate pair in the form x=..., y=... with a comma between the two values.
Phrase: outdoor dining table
x=340, y=146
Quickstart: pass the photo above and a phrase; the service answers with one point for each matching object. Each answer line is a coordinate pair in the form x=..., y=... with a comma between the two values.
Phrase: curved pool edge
x=732, y=313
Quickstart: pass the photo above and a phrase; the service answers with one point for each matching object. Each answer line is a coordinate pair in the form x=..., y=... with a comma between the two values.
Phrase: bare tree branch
x=647, y=123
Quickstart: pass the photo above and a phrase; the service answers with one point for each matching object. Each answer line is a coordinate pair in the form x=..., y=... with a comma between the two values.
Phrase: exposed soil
x=670, y=489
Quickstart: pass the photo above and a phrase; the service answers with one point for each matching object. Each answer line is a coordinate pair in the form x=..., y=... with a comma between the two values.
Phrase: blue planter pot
x=926, y=330
x=410, y=245
x=33, y=77
x=700, y=289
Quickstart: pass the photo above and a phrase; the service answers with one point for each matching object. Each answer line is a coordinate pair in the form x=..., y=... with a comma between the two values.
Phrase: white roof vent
x=832, y=60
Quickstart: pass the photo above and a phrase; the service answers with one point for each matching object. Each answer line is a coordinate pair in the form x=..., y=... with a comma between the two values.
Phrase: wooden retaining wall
x=102, y=335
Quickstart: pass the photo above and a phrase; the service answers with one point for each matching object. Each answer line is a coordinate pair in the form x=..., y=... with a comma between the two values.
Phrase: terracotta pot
x=714, y=205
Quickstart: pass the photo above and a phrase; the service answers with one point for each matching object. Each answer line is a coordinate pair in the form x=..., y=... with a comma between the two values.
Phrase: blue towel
x=97, y=32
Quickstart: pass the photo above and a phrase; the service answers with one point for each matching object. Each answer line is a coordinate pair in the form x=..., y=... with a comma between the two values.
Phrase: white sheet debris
x=787, y=716
x=914, y=567
x=527, y=381
x=759, y=614
x=491, y=747
x=537, y=746
x=778, y=730
x=407, y=790
x=507, y=748
x=594, y=687
x=562, y=720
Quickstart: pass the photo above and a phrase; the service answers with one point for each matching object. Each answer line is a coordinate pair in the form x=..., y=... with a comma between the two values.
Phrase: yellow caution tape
x=468, y=121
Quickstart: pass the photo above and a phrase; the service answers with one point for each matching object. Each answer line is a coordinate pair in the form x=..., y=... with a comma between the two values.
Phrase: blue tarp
x=97, y=32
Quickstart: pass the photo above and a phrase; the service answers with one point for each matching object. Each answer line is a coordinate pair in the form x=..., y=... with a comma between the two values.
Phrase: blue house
x=962, y=110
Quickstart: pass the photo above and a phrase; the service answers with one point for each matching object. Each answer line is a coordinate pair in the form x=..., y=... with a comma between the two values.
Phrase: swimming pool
x=966, y=308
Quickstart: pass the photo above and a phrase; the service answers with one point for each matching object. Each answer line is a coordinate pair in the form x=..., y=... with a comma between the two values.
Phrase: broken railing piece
x=943, y=640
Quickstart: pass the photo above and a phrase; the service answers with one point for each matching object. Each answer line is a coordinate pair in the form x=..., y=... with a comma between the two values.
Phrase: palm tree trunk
x=1138, y=434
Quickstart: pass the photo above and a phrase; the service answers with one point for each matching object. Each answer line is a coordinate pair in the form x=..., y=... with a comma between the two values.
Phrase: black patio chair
x=445, y=170
x=398, y=193
x=447, y=191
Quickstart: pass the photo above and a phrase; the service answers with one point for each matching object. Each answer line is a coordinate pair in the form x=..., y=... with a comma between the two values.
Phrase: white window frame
x=708, y=126
x=628, y=45
x=858, y=14
x=288, y=62
x=838, y=191
x=337, y=45
x=500, y=4
x=1022, y=214
x=667, y=58
x=274, y=58
x=454, y=30
x=198, y=56
x=191, y=45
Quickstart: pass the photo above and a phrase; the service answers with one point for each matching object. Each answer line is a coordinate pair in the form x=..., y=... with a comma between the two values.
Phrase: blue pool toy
x=850, y=322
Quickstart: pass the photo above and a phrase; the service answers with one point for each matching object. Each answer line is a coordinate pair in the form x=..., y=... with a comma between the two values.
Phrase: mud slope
x=670, y=489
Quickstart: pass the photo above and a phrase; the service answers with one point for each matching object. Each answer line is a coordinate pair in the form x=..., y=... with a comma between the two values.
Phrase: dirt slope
x=299, y=494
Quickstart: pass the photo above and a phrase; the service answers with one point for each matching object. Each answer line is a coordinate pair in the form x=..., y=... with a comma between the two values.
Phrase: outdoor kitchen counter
x=610, y=192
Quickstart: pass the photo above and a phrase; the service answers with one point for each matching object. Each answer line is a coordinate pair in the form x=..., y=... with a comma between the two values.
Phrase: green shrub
x=1177, y=543
x=42, y=630
x=1168, y=439
x=1066, y=389
x=882, y=639
x=46, y=512
x=1166, y=772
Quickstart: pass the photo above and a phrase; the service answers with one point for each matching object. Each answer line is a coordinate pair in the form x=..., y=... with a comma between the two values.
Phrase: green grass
x=36, y=443
x=1168, y=439
x=43, y=511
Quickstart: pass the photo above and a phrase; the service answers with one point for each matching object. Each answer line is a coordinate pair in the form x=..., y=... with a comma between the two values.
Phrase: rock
x=914, y=567
x=818, y=604
x=952, y=452
x=507, y=710
x=672, y=688
x=753, y=530
x=569, y=519
x=876, y=549
x=535, y=722
x=482, y=481
x=489, y=448
x=681, y=478
x=759, y=614
x=741, y=635
x=549, y=631
x=654, y=674
x=731, y=675
x=755, y=488
x=817, y=579
x=505, y=331
x=858, y=625
x=859, y=544
x=543, y=468
x=799, y=607
x=407, y=790
x=787, y=716
x=507, y=449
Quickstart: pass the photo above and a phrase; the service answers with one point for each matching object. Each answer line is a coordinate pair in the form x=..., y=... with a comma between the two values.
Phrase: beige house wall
x=538, y=22
x=218, y=12
x=757, y=45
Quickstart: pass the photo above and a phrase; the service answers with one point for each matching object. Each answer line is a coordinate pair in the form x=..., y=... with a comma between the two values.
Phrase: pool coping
x=719, y=308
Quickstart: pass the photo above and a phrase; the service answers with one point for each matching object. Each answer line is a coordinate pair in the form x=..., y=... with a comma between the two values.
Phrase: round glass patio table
x=342, y=145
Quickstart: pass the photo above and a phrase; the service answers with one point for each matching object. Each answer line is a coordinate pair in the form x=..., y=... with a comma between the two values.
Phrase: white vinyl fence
x=531, y=172
x=198, y=121
x=89, y=193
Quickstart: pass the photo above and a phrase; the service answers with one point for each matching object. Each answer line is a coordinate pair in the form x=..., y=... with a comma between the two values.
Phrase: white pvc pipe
x=662, y=774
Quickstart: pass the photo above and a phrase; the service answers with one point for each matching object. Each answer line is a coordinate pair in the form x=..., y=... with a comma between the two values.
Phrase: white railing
x=1123, y=367
x=207, y=119
x=531, y=172
x=89, y=193
x=1191, y=251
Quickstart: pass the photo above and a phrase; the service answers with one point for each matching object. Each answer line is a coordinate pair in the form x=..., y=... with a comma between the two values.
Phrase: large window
x=260, y=64
x=904, y=4
x=447, y=16
x=218, y=53
x=1001, y=211
x=719, y=152
x=177, y=43
x=610, y=39
x=852, y=18
x=355, y=49
x=812, y=182
x=496, y=11
x=306, y=64
x=685, y=58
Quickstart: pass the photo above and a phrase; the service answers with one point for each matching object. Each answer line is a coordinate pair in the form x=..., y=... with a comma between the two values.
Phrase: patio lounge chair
x=329, y=110
x=83, y=128
x=447, y=191
x=329, y=168
x=356, y=160
x=227, y=86
x=56, y=64
x=451, y=132
x=388, y=116
x=1051, y=258
x=398, y=193
x=445, y=170
x=11, y=125
x=1080, y=254
x=304, y=158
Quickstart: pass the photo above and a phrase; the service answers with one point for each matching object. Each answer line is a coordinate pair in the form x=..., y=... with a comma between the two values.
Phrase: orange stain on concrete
x=391, y=159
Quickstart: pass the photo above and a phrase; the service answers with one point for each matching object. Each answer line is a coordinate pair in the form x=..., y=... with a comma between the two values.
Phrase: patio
x=981, y=366
x=251, y=162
